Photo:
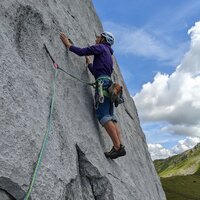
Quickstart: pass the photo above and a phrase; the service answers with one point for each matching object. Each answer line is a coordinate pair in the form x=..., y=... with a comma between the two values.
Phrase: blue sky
x=152, y=40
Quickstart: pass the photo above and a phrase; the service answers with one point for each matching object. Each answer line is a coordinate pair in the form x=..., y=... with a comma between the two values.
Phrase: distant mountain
x=183, y=164
x=180, y=175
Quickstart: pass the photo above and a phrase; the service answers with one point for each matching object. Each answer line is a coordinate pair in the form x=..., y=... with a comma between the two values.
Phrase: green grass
x=182, y=187
x=180, y=175
x=198, y=172
x=185, y=163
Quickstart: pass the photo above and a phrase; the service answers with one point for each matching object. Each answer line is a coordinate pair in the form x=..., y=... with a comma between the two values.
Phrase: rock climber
x=102, y=68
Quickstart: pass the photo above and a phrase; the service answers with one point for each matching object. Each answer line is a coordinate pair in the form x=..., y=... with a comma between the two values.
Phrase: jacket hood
x=110, y=49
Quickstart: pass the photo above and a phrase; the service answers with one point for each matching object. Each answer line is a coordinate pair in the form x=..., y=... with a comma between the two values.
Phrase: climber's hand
x=65, y=40
x=87, y=60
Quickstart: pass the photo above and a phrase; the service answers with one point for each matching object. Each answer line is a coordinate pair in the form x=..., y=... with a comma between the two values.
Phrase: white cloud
x=182, y=129
x=140, y=42
x=183, y=145
x=175, y=98
x=157, y=151
x=193, y=55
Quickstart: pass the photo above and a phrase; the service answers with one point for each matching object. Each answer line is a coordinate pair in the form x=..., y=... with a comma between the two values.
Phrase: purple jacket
x=102, y=64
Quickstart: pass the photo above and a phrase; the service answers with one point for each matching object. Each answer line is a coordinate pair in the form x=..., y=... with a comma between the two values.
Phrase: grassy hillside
x=182, y=187
x=180, y=175
x=185, y=163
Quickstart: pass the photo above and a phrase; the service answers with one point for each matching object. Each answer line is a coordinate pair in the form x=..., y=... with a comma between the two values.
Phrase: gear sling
x=114, y=92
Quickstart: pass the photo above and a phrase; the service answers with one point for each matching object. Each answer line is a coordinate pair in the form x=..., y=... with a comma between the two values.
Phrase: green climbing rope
x=82, y=81
x=48, y=130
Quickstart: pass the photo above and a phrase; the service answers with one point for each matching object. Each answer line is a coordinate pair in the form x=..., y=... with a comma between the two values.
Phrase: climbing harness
x=48, y=130
x=114, y=92
x=100, y=91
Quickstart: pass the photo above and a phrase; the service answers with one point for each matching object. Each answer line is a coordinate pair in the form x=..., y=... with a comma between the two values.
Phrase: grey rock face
x=10, y=190
x=74, y=166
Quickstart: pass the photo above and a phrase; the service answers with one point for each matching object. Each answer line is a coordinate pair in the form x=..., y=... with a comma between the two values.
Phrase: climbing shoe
x=113, y=153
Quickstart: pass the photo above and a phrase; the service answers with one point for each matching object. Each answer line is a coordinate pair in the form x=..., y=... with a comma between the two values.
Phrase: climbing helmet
x=109, y=37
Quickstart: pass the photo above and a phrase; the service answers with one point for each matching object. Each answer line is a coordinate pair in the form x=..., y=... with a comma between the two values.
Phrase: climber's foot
x=115, y=153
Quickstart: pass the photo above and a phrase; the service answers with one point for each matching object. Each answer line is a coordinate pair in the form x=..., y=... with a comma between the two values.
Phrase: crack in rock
x=10, y=190
x=89, y=183
x=72, y=15
x=5, y=196
x=129, y=114
x=28, y=28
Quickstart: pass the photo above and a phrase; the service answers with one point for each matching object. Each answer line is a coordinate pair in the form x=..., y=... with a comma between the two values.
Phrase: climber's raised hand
x=65, y=40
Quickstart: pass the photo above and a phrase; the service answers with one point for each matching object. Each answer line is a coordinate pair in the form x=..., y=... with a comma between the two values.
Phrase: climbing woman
x=102, y=68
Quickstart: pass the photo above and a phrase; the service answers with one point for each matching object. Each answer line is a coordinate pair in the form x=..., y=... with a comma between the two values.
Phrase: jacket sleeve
x=88, y=51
